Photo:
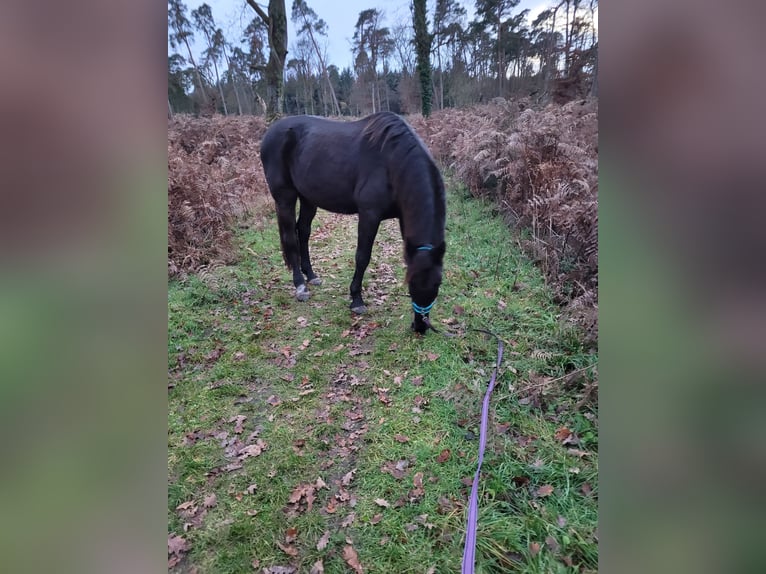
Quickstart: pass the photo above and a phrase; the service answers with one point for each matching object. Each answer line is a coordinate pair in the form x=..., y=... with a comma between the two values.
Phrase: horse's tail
x=286, y=217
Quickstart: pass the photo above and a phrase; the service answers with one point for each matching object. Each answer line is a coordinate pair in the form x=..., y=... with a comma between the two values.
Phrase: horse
x=376, y=167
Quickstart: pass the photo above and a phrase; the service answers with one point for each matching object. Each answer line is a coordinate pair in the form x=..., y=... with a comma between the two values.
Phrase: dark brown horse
x=376, y=167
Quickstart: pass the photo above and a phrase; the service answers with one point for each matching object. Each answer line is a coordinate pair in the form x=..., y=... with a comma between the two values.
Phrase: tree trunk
x=276, y=22
x=336, y=107
x=233, y=81
x=196, y=71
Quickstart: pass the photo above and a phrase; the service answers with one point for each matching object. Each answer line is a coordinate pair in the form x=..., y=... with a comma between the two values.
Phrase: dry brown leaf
x=401, y=438
x=562, y=434
x=184, y=505
x=348, y=521
x=534, y=548
x=320, y=483
x=317, y=568
x=291, y=534
x=352, y=559
x=322, y=544
x=375, y=519
x=177, y=545
x=348, y=477
x=443, y=456
x=210, y=501
x=382, y=502
x=289, y=549
x=252, y=449
x=545, y=490
x=432, y=356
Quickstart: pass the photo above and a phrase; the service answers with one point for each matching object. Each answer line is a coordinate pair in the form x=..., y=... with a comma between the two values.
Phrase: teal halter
x=422, y=310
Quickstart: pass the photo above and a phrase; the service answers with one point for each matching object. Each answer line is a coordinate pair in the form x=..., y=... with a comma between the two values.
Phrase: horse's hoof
x=359, y=310
x=315, y=281
x=301, y=293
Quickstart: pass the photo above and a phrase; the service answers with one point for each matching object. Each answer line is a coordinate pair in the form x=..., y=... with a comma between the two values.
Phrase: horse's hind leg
x=288, y=236
x=308, y=211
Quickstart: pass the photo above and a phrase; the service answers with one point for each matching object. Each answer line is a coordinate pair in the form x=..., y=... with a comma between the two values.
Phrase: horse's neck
x=419, y=225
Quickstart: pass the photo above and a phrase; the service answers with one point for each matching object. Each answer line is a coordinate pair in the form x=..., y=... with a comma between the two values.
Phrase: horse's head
x=424, y=276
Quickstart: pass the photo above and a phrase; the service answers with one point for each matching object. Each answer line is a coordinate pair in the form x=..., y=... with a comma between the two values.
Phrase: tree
x=371, y=43
x=311, y=24
x=447, y=17
x=204, y=22
x=182, y=32
x=492, y=13
x=276, y=22
x=423, y=51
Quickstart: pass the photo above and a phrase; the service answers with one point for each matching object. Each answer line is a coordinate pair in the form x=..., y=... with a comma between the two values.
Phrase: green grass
x=318, y=408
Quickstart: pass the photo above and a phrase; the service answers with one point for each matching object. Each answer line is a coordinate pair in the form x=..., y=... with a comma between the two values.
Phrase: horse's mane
x=387, y=127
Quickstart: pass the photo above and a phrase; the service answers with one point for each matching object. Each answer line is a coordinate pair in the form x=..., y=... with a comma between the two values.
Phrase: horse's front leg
x=368, y=229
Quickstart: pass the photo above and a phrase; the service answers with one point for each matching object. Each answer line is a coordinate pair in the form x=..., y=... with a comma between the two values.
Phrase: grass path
x=303, y=439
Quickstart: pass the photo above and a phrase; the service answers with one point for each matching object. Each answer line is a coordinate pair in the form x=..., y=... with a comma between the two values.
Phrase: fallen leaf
x=348, y=477
x=317, y=568
x=184, y=505
x=410, y=527
x=586, y=489
x=288, y=549
x=432, y=356
x=552, y=544
x=534, y=548
x=238, y=420
x=348, y=521
x=322, y=544
x=545, y=490
x=251, y=489
x=210, y=501
x=382, y=502
x=252, y=450
x=383, y=541
x=562, y=434
x=577, y=452
x=401, y=438
x=256, y=563
x=177, y=545
x=238, y=356
x=561, y=521
x=443, y=456
x=458, y=310
x=520, y=481
x=417, y=381
x=375, y=519
x=331, y=507
x=279, y=570
x=352, y=559
x=274, y=400
x=467, y=480
x=320, y=483
x=291, y=534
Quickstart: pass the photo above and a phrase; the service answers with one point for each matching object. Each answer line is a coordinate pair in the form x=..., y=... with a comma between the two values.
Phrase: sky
x=340, y=16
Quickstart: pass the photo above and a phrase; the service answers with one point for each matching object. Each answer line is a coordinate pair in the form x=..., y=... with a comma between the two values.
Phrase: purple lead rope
x=469, y=552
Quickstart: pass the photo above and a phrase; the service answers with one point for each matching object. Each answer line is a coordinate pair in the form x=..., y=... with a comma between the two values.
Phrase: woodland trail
x=304, y=439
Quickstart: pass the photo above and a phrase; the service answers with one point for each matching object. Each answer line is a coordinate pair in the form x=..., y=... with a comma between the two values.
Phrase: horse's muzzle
x=419, y=325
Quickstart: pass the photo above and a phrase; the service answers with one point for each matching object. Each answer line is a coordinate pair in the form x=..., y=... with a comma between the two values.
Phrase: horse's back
x=317, y=157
